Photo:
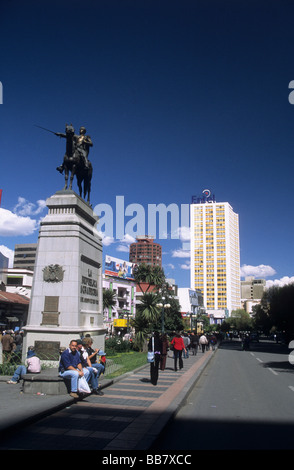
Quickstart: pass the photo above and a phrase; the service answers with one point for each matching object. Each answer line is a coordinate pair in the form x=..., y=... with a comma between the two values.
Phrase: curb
x=165, y=417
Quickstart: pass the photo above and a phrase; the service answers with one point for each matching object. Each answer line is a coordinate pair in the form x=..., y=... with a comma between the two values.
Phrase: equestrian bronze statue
x=75, y=160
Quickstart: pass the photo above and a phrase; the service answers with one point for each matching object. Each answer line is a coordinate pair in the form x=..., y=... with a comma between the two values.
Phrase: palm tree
x=147, y=315
x=148, y=307
x=142, y=330
x=109, y=299
x=158, y=276
x=151, y=275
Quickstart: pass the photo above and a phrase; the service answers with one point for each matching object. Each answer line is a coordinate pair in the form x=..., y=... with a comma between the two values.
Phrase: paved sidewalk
x=129, y=416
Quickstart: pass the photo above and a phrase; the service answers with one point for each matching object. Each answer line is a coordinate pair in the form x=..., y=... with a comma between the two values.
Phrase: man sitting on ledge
x=70, y=367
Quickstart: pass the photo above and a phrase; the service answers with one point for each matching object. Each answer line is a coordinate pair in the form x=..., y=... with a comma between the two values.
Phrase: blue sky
x=177, y=96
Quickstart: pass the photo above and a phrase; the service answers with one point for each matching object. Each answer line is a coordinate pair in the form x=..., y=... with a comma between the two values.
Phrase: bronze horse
x=74, y=164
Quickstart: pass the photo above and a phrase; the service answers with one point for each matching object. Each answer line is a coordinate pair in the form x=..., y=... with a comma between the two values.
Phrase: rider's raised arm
x=60, y=134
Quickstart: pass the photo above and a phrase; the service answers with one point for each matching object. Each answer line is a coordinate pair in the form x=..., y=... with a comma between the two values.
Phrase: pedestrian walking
x=213, y=342
x=186, y=340
x=155, y=344
x=194, y=343
x=203, y=342
x=178, y=347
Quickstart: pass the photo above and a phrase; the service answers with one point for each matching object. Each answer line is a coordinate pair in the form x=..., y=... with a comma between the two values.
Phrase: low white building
x=191, y=303
x=117, y=318
x=18, y=281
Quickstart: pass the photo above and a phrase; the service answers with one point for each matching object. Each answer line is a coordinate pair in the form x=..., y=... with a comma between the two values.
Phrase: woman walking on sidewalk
x=203, y=342
x=178, y=346
x=155, y=345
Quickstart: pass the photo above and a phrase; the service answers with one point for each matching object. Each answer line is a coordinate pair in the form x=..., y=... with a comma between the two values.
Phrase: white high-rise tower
x=215, y=253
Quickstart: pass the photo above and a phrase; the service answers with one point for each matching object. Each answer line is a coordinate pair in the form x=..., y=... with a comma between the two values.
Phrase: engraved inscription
x=51, y=303
x=50, y=319
x=50, y=315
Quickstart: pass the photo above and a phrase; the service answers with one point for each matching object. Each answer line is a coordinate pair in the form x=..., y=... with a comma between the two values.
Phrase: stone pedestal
x=66, y=300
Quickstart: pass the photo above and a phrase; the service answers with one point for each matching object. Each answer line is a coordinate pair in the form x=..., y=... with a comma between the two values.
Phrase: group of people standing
x=181, y=345
x=11, y=342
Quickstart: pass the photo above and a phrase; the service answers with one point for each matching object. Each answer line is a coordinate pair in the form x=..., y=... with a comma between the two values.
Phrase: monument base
x=66, y=299
x=49, y=344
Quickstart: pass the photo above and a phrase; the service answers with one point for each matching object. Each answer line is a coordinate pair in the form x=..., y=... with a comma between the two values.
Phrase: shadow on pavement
x=227, y=435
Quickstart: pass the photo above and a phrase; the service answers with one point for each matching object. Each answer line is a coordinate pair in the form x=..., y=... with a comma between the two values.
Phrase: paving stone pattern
x=128, y=415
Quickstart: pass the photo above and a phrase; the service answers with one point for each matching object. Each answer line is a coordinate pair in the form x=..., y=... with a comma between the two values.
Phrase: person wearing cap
x=102, y=355
x=33, y=366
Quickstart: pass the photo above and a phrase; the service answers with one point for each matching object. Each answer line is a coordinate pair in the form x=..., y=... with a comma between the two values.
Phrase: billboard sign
x=193, y=298
x=119, y=268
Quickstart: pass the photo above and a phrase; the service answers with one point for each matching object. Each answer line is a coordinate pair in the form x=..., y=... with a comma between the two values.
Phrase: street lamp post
x=162, y=305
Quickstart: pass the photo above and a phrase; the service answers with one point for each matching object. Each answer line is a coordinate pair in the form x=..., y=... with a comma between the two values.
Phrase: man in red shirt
x=178, y=345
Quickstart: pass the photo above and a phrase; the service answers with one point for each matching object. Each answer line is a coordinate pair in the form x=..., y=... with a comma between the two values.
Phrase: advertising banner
x=119, y=268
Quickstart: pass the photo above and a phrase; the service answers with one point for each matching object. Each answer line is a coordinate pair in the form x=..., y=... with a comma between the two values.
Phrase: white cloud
x=171, y=266
x=106, y=240
x=280, y=282
x=185, y=266
x=128, y=239
x=19, y=222
x=26, y=208
x=263, y=271
x=12, y=225
x=123, y=248
x=124, y=243
x=181, y=253
x=183, y=233
x=260, y=271
x=8, y=253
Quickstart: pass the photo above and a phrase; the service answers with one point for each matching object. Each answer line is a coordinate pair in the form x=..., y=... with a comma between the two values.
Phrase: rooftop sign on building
x=206, y=198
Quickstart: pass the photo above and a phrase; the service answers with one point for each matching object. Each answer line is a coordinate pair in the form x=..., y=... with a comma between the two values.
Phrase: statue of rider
x=82, y=145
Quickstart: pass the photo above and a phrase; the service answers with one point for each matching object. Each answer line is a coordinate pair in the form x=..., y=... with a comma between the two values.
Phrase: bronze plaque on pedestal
x=50, y=313
x=47, y=350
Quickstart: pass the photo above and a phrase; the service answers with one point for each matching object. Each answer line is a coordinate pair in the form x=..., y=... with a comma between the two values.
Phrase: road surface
x=243, y=400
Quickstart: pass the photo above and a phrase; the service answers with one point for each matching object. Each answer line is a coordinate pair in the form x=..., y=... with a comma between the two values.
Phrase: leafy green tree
x=261, y=319
x=173, y=320
x=239, y=320
x=281, y=309
x=276, y=311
